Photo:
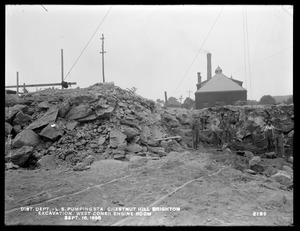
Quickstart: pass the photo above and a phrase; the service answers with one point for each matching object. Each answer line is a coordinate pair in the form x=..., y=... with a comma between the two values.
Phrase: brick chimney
x=199, y=80
x=208, y=66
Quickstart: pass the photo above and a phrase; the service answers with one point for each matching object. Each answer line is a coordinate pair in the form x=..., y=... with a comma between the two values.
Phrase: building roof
x=220, y=82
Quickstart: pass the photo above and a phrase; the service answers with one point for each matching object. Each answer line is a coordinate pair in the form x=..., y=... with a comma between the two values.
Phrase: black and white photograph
x=149, y=115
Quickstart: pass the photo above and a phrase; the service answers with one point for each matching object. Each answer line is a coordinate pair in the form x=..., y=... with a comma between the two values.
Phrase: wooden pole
x=166, y=99
x=17, y=83
x=62, y=67
x=102, y=52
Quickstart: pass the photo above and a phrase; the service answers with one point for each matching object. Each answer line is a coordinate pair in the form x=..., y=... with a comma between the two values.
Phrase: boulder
x=70, y=126
x=101, y=140
x=291, y=134
x=288, y=170
x=249, y=154
x=22, y=119
x=43, y=105
x=52, y=132
x=10, y=166
x=12, y=111
x=254, y=161
x=134, y=148
x=117, y=139
x=48, y=117
x=21, y=155
x=283, y=178
x=26, y=138
x=8, y=128
x=88, y=118
x=171, y=120
x=290, y=159
x=182, y=117
x=172, y=145
x=227, y=151
x=79, y=112
x=81, y=167
x=17, y=128
x=104, y=113
x=130, y=132
x=48, y=162
x=64, y=109
x=88, y=160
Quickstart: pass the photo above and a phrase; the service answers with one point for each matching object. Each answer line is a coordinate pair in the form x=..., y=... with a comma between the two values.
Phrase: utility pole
x=17, y=83
x=102, y=52
x=62, y=67
x=189, y=91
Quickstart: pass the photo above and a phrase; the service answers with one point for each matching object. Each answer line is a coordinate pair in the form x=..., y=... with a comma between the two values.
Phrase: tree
x=160, y=102
x=187, y=102
x=267, y=99
x=173, y=102
x=252, y=102
x=240, y=103
x=289, y=100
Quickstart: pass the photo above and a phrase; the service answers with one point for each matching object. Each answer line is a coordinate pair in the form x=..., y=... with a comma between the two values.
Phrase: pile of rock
x=106, y=121
x=102, y=120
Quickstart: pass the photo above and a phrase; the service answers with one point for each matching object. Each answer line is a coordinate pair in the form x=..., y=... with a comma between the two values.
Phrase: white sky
x=151, y=47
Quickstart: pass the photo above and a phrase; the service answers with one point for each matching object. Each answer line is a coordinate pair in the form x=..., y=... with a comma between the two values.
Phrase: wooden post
x=62, y=67
x=17, y=83
x=166, y=99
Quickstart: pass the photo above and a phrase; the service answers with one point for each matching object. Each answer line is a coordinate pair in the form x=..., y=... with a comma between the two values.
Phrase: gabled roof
x=220, y=82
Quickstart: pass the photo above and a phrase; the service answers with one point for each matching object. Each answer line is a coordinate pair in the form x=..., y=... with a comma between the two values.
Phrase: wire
x=247, y=39
x=44, y=8
x=88, y=42
x=244, y=37
x=286, y=11
x=199, y=50
x=262, y=60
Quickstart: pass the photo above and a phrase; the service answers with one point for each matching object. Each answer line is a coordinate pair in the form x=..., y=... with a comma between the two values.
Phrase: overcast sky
x=152, y=47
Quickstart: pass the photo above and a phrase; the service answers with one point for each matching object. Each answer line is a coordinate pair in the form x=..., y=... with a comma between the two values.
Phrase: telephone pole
x=102, y=52
x=62, y=66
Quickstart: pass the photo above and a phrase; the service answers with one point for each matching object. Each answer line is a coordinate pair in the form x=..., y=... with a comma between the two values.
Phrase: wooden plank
x=168, y=138
x=42, y=85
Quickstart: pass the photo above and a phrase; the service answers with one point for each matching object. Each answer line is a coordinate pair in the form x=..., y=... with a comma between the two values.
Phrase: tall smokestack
x=208, y=66
x=198, y=85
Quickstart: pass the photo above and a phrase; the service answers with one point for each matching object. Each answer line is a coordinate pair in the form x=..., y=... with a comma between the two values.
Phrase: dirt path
x=203, y=185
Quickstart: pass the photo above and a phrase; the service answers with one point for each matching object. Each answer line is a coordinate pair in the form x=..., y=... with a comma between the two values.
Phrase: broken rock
x=64, y=109
x=12, y=111
x=254, y=161
x=283, y=178
x=70, y=126
x=134, y=148
x=104, y=113
x=88, y=160
x=22, y=119
x=52, y=132
x=21, y=155
x=79, y=112
x=26, y=138
x=172, y=145
x=48, y=117
x=17, y=128
x=81, y=167
x=117, y=139
x=8, y=128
